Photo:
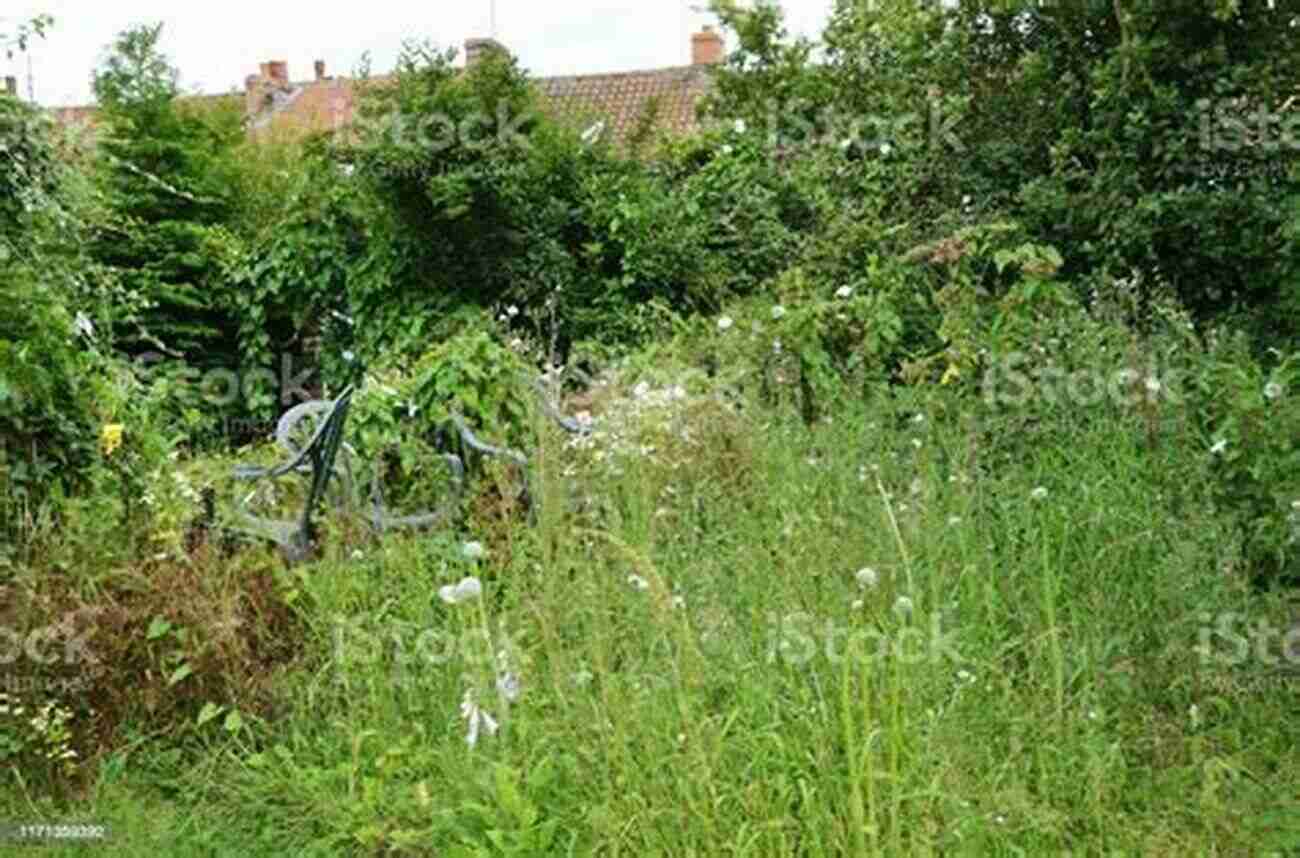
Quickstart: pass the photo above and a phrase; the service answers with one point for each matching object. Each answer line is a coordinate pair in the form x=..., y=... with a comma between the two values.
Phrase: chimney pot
x=320, y=70
x=707, y=48
x=11, y=85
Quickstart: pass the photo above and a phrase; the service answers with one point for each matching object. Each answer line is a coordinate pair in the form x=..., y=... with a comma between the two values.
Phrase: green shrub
x=161, y=167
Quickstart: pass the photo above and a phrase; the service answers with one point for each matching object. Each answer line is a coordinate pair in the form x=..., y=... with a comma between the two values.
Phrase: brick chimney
x=707, y=48
x=278, y=72
x=272, y=77
x=11, y=86
x=476, y=49
x=320, y=70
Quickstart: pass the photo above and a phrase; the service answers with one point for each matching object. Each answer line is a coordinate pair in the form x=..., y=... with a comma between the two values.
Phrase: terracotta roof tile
x=668, y=95
x=621, y=100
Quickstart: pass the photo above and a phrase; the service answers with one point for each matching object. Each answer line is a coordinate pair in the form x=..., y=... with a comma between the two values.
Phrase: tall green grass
x=703, y=671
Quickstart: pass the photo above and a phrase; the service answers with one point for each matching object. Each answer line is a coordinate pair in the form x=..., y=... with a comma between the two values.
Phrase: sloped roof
x=621, y=100
x=324, y=105
x=669, y=96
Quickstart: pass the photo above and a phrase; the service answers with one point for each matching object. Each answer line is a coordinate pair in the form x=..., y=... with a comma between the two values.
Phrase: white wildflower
x=778, y=311
x=454, y=594
x=1219, y=447
x=965, y=676
x=726, y=150
x=638, y=582
x=954, y=520
x=867, y=578
x=725, y=323
x=1039, y=493
x=844, y=292
x=473, y=551
x=857, y=605
x=1272, y=390
x=885, y=149
x=903, y=606
x=83, y=325
x=349, y=356
x=477, y=719
x=1153, y=385
x=592, y=134
x=508, y=687
x=641, y=391
x=741, y=127
x=512, y=311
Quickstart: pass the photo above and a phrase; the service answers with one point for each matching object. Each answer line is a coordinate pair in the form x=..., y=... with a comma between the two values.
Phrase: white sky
x=216, y=44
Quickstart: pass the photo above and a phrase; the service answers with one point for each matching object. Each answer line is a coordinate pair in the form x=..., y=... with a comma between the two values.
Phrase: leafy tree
x=56, y=307
x=1086, y=122
x=17, y=41
x=163, y=171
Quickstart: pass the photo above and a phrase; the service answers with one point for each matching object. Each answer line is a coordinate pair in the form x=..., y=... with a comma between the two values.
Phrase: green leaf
x=207, y=713
x=180, y=673
x=158, y=628
x=234, y=721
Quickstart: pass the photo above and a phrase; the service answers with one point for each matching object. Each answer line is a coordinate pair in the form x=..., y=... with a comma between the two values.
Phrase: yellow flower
x=110, y=437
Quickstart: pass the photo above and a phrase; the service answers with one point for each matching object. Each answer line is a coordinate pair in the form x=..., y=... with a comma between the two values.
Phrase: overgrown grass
x=703, y=670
